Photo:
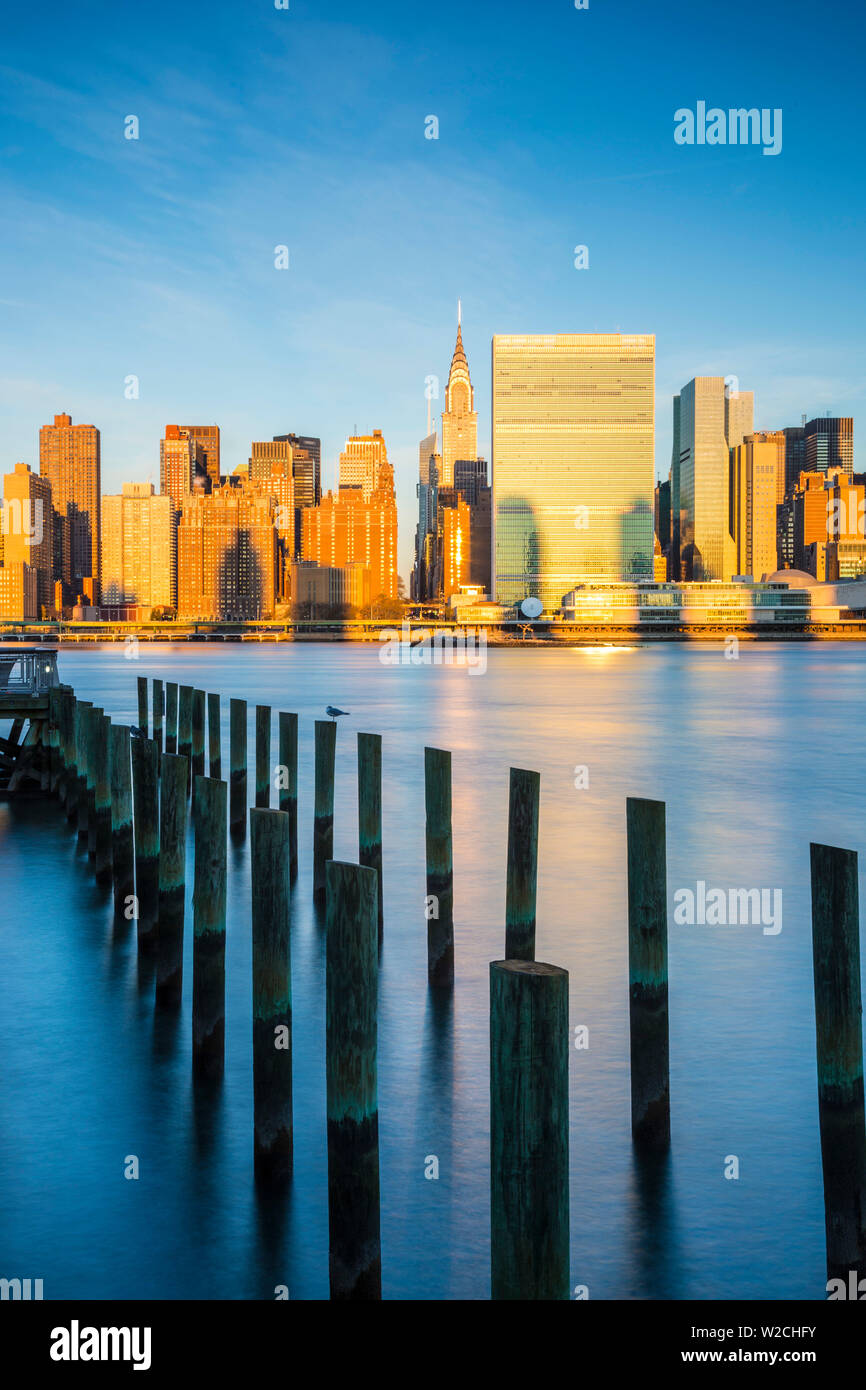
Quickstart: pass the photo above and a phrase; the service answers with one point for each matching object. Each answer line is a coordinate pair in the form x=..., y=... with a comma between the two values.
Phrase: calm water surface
x=754, y=758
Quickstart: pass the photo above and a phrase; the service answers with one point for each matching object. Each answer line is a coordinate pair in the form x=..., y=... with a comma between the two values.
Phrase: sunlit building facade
x=459, y=418
x=139, y=548
x=227, y=557
x=69, y=457
x=177, y=456
x=206, y=445
x=26, y=523
x=345, y=530
x=364, y=464
x=712, y=420
x=757, y=481
x=573, y=468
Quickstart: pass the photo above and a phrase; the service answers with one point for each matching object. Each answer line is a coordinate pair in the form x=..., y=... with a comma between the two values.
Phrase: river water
x=754, y=757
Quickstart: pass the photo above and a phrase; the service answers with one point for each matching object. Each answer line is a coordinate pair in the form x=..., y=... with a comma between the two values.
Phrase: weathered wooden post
x=172, y=880
x=288, y=725
x=272, y=995
x=370, y=811
x=53, y=739
x=214, y=738
x=73, y=786
x=171, y=717
x=838, y=1024
x=184, y=729
x=102, y=803
x=198, y=717
x=263, y=755
x=352, y=966
x=65, y=745
x=238, y=768
x=158, y=705
x=122, y=849
x=209, y=929
x=87, y=831
x=145, y=791
x=522, y=869
x=440, y=874
x=82, y=729
x=648, y=974
x=142, y=704
x=323, y=803
x=528, y=1131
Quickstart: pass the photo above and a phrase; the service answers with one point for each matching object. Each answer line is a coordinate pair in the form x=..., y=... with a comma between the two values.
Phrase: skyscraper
x=270, y=456
x=306, y=466
x=139, y=548
x=795, y=455
x=573, y=472
x=459, y=418
x=757, y=489
x=364, y=464
x=346, y=530
x=177, y=455
x=428, y=460
x=829, y=443
x=69, y=457
x=470, y=483
x=227, y=557
x=207, y=439
x=27, y=524
x=712, y=420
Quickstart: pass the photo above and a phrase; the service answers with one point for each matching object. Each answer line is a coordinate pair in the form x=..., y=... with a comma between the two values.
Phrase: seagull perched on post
x=136, y=731
x=334, y=712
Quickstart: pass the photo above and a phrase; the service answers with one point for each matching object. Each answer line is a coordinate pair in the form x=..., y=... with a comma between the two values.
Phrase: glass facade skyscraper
x=573, y=470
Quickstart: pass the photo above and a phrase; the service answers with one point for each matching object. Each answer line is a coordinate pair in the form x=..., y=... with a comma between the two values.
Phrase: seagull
x=334, y=712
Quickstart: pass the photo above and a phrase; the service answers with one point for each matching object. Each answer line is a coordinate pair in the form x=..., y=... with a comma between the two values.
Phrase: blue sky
x=305, y=127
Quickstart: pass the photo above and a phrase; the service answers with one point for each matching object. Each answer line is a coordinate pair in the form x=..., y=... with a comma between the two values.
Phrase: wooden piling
x=370, y=811
x=158, y=703
x=184, y=730
x=323, y=803
x=263, y=755
x=142, y=704
x=529, y=1217
x=214, y=738
x=838, y=1022
x=87, y=798
x=209, y=929
x=522, y=867
x=288, y=727
x=145, y=793
x=198, y=718
x=439, y=908
x=272, y=995
x=171, y=717
x=53, y=739
x=65, y=704
x=172, y=879
x=122, y=848
x=102, y=867
x=73, y=782
x=238, y=768
x=648, y=974
x=352, y=964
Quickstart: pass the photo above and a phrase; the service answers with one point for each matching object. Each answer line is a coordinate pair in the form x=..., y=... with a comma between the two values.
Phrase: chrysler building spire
x=459, y=419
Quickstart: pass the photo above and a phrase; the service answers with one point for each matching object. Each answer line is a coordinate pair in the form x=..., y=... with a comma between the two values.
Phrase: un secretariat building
x=573, y=466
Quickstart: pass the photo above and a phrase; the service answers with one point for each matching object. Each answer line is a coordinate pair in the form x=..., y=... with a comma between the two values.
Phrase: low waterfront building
x=709, y=603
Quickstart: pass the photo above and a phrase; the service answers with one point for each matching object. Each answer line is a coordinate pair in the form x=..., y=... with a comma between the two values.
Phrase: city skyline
x=168, y=240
